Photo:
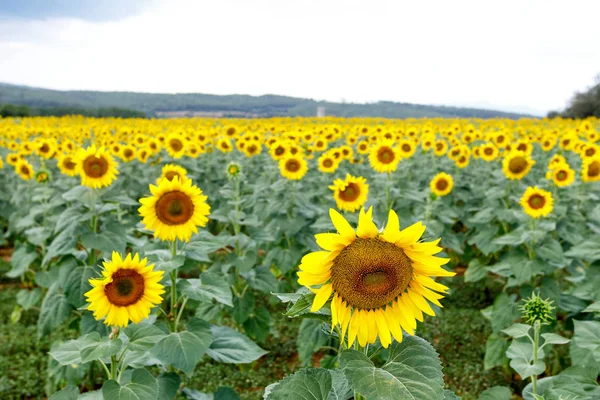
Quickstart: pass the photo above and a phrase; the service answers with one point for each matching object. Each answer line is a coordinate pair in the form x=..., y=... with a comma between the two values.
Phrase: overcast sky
x=527, y=56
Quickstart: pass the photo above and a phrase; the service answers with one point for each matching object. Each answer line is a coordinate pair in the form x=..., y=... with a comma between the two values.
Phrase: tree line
x=18, y=110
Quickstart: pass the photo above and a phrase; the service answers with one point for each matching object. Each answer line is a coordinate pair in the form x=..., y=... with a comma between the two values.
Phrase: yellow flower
x=127, y=290
x=128, y=153
x=441, y=184
x=362, y=147
x=380, y=281
x=516, y=165
x=24, y=169
x=407, y=148
x=488, y=152
x=171, y=171
x=351, y=193
x=224, y=145
x=537, y=202
x=175, y=145
x=293, y=167
x=562, y=175
x=440, y=147
x=384, y=157
x=590, y=171
x=278, y=150
x=67, y=164
x=96, y=167
x=327, y=163
x=174, y=210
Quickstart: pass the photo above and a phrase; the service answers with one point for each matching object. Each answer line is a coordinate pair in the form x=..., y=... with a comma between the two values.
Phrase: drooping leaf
x=230, y=346
x=143, y=386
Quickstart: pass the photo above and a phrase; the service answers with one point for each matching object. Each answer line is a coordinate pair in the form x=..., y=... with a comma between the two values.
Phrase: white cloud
x=526, y=55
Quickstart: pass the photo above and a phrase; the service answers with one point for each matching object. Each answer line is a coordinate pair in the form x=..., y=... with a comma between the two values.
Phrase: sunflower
x=278, y=150
x=24, y=169
x=127, y=290
x=351, y=193
x=440, y=147
x=293, y=167
x=13, y=158
x=233, y=170
x=171, y=171
x=67, y=164
x=362, y=147
x=562, y=175
x=252, y=148
x=175, y=145
x=380, y=281
x=407, y=148
x=46, y=148
x=174, y=210
x=590, y=171
x=128, y=153
x=1, y=163
x=96, y=167
x=516, y=165
x=384, y=157
x=42, y=176
x=224, y=145
x=488, y=152
x=441, y=184
x=537, y=202
x=462, y=161
x=327, y=163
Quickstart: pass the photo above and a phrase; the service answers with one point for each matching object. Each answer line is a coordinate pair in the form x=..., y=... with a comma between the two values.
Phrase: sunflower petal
x=321, y=297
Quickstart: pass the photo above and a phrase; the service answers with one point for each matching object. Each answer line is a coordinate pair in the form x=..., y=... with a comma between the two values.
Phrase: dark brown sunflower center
x=172, y=174
x=45, y=148
x=488, y=151
x=441, y=184
x=561, y=175
x=292, y=165
x=439, y=146
x=522, y=147
x=230, y=131
x=590, y=152
x=351, y=192
x=174, y=208
x=385, y=155
x=406, y=148
x=370, y=273
x=327, y=163
x=517, y=164
x=126, y=288
x=25, y=169
x=95, y=167
x=594, y=169
x=176, y=144
x=536, y=201
x=128, y=153
x=252, y=149
x=69, y=164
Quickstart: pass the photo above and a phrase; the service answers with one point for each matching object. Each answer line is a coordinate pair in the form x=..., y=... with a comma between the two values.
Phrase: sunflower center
x=174, y=208
x=95, y=167
x=279, y=151
x=69, y=164
x=370, y=273
x=441, y=184
x=24, y=169
x=590, y=152
x=327, y=163
x=537, y=201
x=385, y=155
x=522, y=147
x=126, y=288
x=406, y=148
x=517, y=165
x=351, y=192
x=561, y=175
x=594, y=169
x=292, y=165
x=176, y=144
x=172, y=174
x=488, y=151
x=128, y=153
x=45, y=148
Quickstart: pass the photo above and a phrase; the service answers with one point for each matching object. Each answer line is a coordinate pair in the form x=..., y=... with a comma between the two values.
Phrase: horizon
x=159, y=47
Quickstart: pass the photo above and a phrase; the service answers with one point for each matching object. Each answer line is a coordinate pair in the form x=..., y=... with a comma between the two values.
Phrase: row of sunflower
x=514, y=203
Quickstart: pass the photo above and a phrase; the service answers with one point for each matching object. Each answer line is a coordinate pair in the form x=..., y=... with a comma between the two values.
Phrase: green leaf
x=262, y=279
x=495, y=393
x=143, y=386
x=449, y=395
x=210, y=286
x=243, y=307
x=143, y=336
x=302, y=306
x=585, y=345
x=504, y=311
x=413, y=371
x=517, y=330
x=69, y=353
x=552, y=338
x=184, y=350
x=594, y=307
x=310, y=339
x=106, y=241
x=475, y=272
x=310, y=384
x=55, y=310
x=29, y=298
x=232, y=347
x=525, y=369
x=495, y=351
x=78, y=284
x=69, y=392
x=20, y=261
x=63, y=243
x=226, y=393
x=97, y=348
x=168, y=386
x=258, y=324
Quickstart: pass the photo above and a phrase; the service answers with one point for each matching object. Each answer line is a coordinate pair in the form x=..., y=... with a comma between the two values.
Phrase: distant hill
x=184, y=104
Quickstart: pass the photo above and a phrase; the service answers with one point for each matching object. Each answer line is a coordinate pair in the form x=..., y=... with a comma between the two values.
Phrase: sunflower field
x=299, y=258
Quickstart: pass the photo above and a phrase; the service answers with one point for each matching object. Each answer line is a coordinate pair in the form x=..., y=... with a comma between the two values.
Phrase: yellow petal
x=410, y=235
x=391, y=232
x=342, y=226
x=363, y=328
x=420, y=302
x=321, y=297
x=393, y=324
x=382, y=328
x=353, y=328
x=372, y=326
x=366, y=227
x=334, y=311
x=330, y=241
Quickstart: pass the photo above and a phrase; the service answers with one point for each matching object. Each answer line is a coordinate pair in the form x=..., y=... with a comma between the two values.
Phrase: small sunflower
x=127, y=290
x=171, y=171
x=128, y=153
x=233, y=170
x=293, y=167
x=407, y=148
x=516, y=165
x=224, y=145
x=441, y=184
x=362, y=147
x=327, y=163
x=537, y=202
x=67, y=164
x=351, y=193
x=440, y=147
x=380, y=281
x=590, y=171
x=96, y=167
x=384, y=157
x=42, y=176
x=488, y=152
x=175, y=145
x=174, y=210
x=24, y=170
x=562, y=175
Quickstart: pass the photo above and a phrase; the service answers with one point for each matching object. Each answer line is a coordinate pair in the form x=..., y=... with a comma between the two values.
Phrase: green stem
x=113, y=367
x=185, y=299
x=536, y=339
x=388, y=197
x=105, y=368
x=174, y=284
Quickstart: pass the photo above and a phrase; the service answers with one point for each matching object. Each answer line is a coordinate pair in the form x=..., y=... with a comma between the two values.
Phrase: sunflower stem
x=185, y=299
x=536, y=339
x=174, y=285
x=388, y=197
x=105, y=368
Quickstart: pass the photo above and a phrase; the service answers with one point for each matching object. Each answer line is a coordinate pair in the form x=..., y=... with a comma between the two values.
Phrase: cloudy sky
x=527, y=56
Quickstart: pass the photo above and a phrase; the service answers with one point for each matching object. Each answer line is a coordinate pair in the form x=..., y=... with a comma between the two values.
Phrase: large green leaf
x=29, y=298
x=55, y=310
x=495, y=349
x=168, y=386
x=69, y=392
x=143, y=336
x=230, y=346
x=495, y=393
x=184, y=350
x=97, y=347
x=412, y=371
x=143, y=386
x=106, y=241
x=210, y=286
x=311, y=337
x=20, y=260
x=311, y=384
x=78, y=284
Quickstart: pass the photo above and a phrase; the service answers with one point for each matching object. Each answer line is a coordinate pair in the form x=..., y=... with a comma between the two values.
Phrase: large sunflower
x=441, y=184
x=293, y=167
x=516, y=165
x=590, y=171
x=96, y=167
x=380, y=281
x=127, y=290
x=351, y=193
x=24, y=169
x=537, y=202
x=175, y=209
x=384, y=157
